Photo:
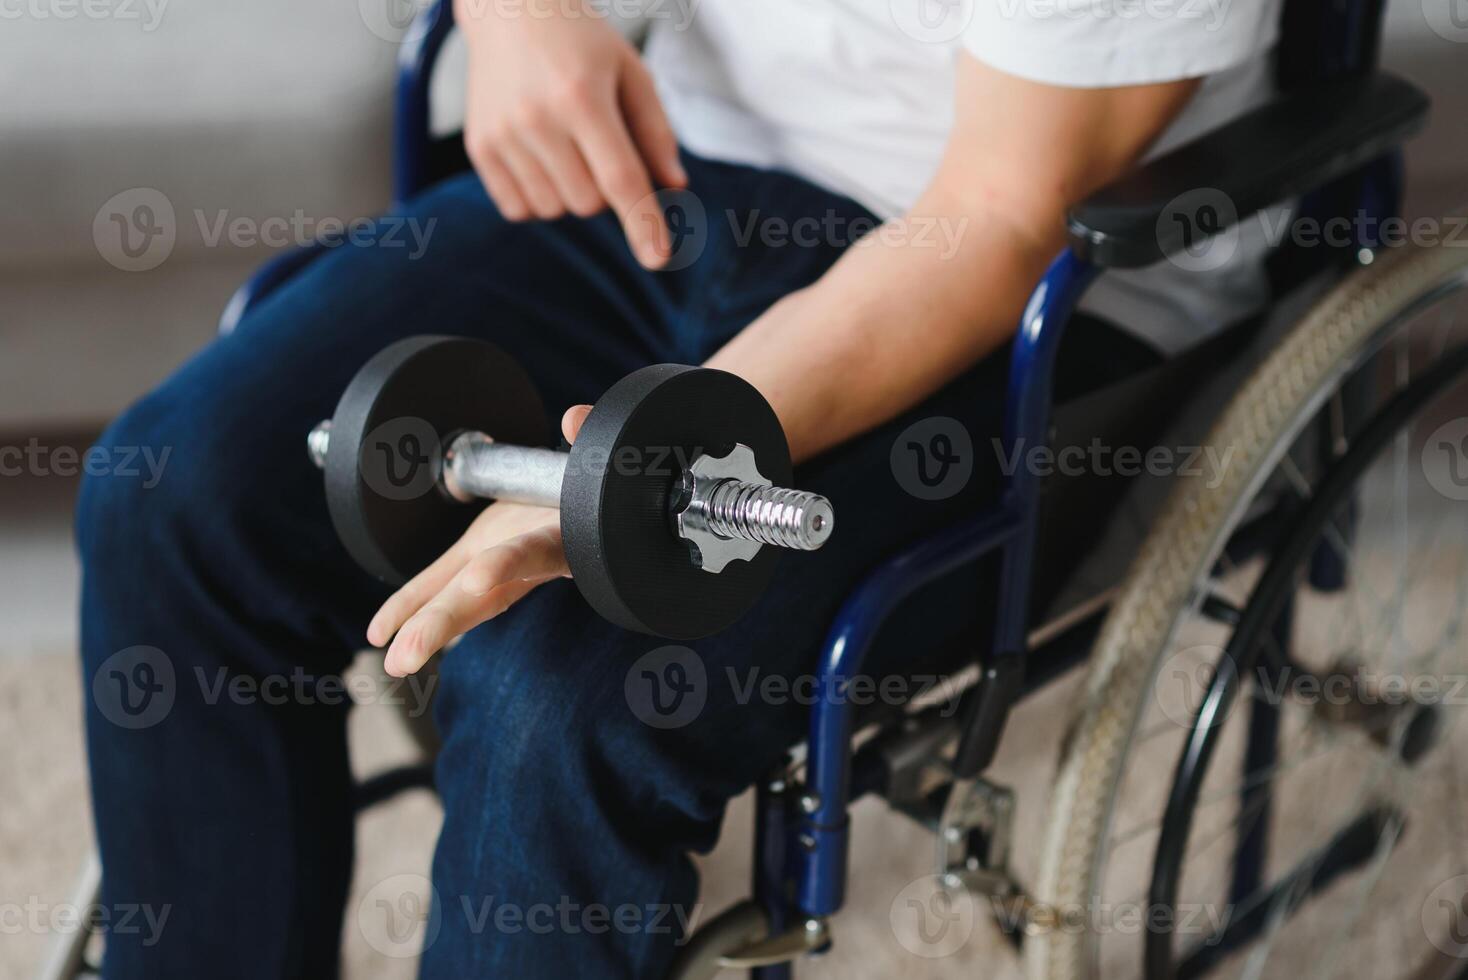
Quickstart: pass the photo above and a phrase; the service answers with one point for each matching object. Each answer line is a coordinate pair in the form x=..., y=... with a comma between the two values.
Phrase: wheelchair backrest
x=1325, y=39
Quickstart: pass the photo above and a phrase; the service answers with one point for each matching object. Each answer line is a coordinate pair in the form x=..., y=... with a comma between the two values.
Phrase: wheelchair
x=1209, y=616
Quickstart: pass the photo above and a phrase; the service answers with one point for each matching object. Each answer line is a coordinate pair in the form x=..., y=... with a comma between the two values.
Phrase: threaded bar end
x=769, y=515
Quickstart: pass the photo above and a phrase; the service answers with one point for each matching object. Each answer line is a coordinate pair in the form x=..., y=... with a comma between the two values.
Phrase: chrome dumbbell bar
x=727, y=510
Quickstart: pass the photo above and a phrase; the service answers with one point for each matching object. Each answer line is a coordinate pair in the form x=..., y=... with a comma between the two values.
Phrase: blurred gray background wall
x=278, y=112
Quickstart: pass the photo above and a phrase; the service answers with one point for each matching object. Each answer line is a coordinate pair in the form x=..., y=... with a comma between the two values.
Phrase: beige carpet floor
x=45, y=836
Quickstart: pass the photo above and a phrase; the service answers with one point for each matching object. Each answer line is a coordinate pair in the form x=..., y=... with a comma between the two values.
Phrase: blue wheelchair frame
x=807, y=845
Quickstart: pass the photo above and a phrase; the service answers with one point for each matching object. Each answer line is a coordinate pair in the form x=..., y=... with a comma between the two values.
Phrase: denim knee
x=130, y=495
x=178, y=508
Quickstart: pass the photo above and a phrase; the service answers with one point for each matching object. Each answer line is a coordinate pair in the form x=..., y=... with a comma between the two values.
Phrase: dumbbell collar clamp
x=712, y=551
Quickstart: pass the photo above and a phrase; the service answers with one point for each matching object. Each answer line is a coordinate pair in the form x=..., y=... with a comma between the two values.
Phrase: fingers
x=533, y=181
x=568, y=173
x=572, y=421
x=500, y=184
x=543, y=173
x=419, y=590
x=435, y=625
x=483, y=588
x=649, y=125
x=533, y=556
x=623, y=180
x=577, y=142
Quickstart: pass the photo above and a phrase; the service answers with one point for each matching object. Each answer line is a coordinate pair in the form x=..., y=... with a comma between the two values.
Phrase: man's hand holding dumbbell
x=661, y=512
x=509, y=549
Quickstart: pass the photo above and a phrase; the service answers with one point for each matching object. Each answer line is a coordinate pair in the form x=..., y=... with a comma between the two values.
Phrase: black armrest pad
x=1297, y=142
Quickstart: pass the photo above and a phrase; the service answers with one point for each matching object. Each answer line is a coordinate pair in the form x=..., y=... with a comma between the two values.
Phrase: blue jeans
x=219, y=611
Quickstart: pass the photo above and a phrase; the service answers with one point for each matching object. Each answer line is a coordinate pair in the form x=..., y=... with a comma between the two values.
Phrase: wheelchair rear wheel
x=1263, y=776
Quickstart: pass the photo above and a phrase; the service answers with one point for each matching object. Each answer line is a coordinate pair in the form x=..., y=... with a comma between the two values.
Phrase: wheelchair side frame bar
x=820, y=845
x=411, y=120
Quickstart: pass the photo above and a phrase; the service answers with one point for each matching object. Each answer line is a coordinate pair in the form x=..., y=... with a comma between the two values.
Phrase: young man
x=969, y=134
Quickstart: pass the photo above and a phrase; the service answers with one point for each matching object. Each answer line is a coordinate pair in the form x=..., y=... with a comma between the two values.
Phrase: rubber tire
x=1259, y=424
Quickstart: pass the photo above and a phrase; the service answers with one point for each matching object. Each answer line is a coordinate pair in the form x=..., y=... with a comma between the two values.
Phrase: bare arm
x=898, y=317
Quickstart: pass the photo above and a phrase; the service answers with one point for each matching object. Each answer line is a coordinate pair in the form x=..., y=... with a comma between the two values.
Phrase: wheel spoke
x=1351, y=847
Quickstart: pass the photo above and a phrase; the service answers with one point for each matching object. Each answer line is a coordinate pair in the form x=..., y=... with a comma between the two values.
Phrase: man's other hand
x=561, y=116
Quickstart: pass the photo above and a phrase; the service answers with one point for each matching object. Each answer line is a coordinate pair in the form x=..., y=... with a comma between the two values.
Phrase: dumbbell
x=672, y=498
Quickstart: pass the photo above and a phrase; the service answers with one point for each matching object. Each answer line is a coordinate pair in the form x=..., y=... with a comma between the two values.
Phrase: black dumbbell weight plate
x=384, y=459
x=616, y=517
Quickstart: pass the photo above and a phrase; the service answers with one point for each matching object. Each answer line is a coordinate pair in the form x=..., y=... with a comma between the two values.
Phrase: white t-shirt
x=857, y=96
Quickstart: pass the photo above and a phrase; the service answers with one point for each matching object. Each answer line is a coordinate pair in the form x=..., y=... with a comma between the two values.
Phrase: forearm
x=898, y=316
